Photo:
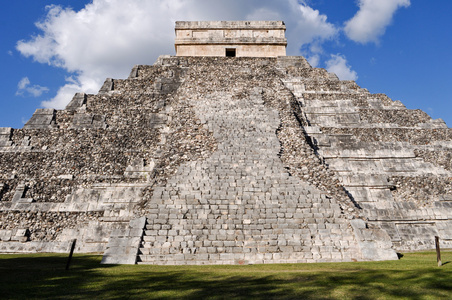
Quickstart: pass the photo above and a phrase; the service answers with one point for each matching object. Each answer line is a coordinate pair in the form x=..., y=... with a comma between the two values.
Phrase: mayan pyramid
x=229, y=152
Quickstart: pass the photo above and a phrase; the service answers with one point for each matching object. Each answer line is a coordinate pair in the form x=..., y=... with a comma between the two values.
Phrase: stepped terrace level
x=231, y=38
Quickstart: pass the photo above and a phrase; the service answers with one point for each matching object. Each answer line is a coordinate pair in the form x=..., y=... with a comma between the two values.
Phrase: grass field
x=414, y=276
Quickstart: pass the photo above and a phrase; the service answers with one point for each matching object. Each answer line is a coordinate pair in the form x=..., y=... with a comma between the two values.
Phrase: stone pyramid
x=218, y=160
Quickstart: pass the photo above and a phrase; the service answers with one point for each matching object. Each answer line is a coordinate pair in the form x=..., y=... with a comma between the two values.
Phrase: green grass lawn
x=414, y=276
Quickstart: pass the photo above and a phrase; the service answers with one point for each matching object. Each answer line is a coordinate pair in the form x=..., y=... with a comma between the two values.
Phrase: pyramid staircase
x=358, y=136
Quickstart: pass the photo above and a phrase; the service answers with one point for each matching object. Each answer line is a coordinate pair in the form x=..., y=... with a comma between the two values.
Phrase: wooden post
x=70, y=254
x=438, y=251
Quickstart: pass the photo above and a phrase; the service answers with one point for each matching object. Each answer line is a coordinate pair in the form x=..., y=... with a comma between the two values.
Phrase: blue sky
x=51, y=49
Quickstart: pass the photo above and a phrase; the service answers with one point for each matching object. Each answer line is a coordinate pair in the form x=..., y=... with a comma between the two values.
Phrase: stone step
x=366, y=153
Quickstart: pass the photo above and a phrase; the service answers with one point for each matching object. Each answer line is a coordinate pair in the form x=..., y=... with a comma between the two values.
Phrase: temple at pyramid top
x=231, y=38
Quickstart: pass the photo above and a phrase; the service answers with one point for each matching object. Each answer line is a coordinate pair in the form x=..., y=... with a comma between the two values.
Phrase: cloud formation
x=338, y=65
x=108, y=37
x=370, y=22
x=313, y=29
x=24, y=88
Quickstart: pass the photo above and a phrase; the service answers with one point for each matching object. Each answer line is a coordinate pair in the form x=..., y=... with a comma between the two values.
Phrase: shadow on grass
x=46, y=277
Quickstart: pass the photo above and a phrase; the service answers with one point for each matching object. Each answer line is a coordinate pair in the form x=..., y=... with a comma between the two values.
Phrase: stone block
x=139, y=223
x=77, y=102
x=134, y=72
x=5, y=235
x=42, y=118
x=373, y=244
x=107, y=86
x=6, y=131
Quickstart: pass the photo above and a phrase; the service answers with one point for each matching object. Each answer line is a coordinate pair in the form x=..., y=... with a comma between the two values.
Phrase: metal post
x=438, y=251
x=70, y=254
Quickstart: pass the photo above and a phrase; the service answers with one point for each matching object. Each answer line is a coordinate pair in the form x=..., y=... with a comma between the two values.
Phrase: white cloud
x=23, y=87
x=305, y=25
x=23, y=83
x=66, y=92
x=108, y=37
x=312, y=26
x=264, y=13
x=370, y=22
x=314, y=60
x=338, y=65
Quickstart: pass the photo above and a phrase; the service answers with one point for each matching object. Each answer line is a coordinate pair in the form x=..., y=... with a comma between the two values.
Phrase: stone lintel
x=233, y=41
x=180, y=25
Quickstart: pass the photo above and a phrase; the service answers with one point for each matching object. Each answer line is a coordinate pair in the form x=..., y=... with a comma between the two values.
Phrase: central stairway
x=262, y=195
x=241, y=205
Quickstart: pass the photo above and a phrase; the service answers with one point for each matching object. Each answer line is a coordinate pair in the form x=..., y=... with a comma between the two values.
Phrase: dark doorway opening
x=230, y=52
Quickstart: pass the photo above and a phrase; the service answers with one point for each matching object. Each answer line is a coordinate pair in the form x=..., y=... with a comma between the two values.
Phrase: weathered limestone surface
x=207, y=160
